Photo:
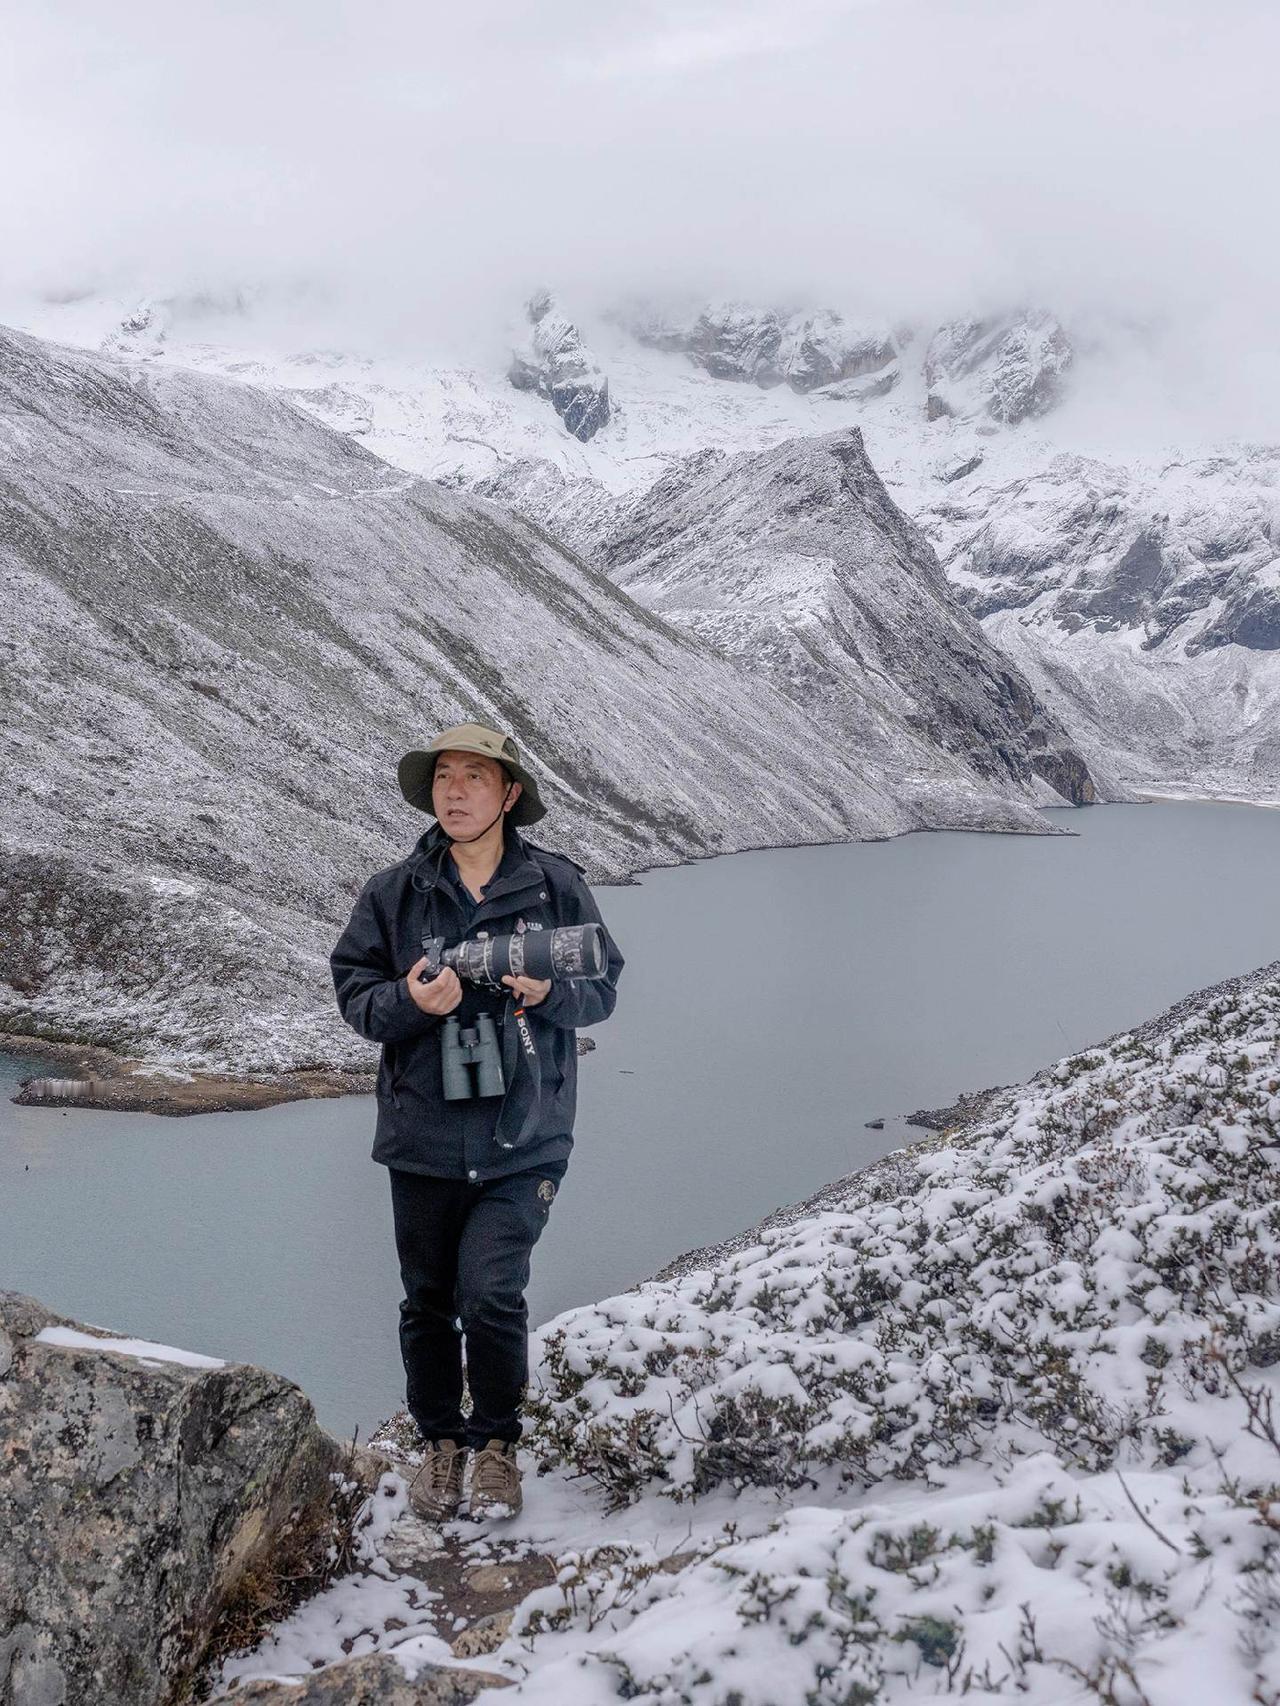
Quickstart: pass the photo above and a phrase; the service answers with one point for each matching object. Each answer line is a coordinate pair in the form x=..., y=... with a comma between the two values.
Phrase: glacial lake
x=772, y=1003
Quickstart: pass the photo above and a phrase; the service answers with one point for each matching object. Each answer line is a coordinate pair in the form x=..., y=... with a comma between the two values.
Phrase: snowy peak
x=798, y=562
x=1144, y=606
x=556, y=365
x=1172, y=559
x=141, y=332
x=1008, y=368
x=758, y=346
x=1002, y=369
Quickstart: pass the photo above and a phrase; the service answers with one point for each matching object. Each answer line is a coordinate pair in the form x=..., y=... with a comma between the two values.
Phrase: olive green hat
x=417, y=769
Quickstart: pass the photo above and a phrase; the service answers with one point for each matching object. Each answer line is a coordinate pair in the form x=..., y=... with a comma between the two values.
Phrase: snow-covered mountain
x=984, y=429
x=797, y=562
x=1144, y=604
x=760, y=346
x=651, y=385
x=1008, y=368
x=224, y=622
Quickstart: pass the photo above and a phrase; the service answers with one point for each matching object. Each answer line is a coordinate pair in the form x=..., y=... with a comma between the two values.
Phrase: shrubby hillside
x=994, y=1418
x=1013, y=1390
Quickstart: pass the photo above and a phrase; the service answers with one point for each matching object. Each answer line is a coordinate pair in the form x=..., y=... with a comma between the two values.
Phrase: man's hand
x=528, y=990
x=441, y=995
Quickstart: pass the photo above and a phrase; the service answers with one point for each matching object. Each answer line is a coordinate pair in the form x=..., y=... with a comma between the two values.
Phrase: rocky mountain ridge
x=797, y=562
x=1144, y=604
x=1040, y=525
x=760, y=346
x=1005, y=367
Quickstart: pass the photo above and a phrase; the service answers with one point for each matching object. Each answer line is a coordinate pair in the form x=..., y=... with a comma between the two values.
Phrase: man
x=472, y=1180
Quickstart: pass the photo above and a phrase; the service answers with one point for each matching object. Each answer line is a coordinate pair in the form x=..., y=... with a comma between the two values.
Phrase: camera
x=570, y=950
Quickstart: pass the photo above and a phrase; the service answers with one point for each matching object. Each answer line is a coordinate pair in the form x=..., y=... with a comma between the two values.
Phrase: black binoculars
x=467, y=1049
x=570, y=950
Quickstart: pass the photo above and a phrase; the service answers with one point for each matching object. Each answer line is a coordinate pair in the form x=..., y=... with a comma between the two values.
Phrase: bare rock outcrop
x=758, y=346
x=1007, y=367
x=558, y=366
x=146, y=1494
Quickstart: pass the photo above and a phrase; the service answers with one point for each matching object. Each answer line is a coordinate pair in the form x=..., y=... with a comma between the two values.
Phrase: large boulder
x=146, y=1493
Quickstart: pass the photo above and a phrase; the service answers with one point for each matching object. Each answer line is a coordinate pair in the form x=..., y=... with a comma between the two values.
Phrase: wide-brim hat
x=418, y=768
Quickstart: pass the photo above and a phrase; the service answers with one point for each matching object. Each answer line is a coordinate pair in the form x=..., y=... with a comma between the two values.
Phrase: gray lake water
x=771, y=1004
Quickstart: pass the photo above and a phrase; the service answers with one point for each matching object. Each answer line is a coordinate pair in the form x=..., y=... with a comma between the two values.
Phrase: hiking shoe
x=495, y=1481
x=435, y=1492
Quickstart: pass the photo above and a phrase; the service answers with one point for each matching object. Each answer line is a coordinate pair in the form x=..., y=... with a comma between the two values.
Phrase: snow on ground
x=994, y=1418
x=144, y=1349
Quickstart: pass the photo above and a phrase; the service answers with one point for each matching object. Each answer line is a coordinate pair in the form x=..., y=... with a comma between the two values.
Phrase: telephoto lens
x=569, y=951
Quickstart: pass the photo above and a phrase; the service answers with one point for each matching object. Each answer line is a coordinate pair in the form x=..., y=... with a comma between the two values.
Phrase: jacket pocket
x=389, y=1071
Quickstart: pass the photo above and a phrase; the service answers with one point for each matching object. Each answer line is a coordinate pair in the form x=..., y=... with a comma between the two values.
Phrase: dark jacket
x=483, y=1137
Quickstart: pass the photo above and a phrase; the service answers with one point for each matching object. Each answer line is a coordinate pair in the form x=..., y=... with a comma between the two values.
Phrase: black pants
x=464, y=1263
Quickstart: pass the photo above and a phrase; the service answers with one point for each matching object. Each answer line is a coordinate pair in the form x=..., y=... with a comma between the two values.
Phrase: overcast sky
x=902, y=156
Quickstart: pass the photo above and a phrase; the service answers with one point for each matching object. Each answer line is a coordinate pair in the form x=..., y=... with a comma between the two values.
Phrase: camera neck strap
x=522, y=1068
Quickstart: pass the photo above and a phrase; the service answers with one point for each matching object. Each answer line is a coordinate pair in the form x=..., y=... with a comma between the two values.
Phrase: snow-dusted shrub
x=1060, y=1590
x=1085, y=1273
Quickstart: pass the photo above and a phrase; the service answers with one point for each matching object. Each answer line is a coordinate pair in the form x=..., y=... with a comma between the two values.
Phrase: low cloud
x=416, y=168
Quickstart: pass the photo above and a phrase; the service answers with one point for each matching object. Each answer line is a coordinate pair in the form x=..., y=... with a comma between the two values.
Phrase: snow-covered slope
x=1143, y=603
x=797, y=562
x=1004, y=436
x=1057, y=1332
x=994, y=1419
x=223, y=623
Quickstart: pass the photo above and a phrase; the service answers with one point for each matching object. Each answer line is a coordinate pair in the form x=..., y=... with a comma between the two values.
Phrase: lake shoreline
x=86, y=1076
x=83, y=1076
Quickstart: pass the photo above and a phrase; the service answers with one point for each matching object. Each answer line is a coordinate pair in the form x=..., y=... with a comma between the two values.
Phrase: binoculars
x=570, y=950
x=464, y=1050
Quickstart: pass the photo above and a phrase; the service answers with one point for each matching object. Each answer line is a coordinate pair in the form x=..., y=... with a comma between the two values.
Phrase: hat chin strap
x=466, y=841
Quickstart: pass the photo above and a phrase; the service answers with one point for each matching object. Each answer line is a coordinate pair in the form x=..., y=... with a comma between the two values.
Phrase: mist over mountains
x=1109, y=579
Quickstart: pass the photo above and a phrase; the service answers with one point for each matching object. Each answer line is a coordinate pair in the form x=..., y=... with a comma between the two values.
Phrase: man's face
x=467, y=791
